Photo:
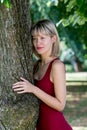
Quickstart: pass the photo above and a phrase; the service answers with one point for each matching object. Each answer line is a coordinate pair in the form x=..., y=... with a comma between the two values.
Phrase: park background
x=70, y=18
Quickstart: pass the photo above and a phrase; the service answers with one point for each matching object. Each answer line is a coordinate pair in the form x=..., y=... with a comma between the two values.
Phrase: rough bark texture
x=17, y=112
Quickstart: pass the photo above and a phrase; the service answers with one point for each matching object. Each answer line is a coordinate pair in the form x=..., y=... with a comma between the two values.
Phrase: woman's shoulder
x=58, y=64
x=57, y=70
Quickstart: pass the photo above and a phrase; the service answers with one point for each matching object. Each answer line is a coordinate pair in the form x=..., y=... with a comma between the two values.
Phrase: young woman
x=49, y=78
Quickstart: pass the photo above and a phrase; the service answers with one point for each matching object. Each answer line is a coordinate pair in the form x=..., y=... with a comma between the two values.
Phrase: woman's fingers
x=18, y=83
x=20, y=92
x=23, y=79
x=17, y=86
x=19, y=89
x=21, y=86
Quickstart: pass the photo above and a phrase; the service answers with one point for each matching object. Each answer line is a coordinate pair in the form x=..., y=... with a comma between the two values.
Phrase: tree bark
x=17, y=112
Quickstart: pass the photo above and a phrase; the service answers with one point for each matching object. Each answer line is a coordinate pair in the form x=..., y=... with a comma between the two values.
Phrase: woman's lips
x=39, y=48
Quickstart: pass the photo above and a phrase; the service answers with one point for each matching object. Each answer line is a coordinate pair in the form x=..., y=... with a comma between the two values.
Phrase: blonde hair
x=48, y=28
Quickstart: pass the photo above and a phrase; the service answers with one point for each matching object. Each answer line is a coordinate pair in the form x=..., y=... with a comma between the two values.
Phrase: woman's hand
x=23, y=86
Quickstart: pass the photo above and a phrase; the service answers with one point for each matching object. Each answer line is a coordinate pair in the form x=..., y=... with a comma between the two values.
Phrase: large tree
x=17, y=112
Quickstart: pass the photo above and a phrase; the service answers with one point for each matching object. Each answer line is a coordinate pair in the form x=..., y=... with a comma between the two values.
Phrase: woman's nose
x=38, y=41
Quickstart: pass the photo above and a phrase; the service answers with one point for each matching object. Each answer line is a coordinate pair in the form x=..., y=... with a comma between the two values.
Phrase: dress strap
x=50, y=66
x=57, y=58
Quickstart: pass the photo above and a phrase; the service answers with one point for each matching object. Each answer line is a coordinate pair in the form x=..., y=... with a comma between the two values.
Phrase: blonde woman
x=49, y=78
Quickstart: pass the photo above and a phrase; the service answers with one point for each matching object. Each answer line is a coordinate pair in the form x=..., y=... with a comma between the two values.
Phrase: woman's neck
x=46, y=60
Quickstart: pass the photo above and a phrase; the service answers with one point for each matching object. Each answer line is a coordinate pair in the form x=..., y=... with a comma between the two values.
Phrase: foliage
x=6, y=3
x=40, y=9
x=77, y=12
x=75, y=31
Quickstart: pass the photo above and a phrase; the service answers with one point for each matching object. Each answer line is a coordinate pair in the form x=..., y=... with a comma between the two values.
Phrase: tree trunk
x=17, y=112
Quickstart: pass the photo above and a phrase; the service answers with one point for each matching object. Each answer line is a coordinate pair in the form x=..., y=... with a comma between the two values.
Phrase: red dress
x=49, y=118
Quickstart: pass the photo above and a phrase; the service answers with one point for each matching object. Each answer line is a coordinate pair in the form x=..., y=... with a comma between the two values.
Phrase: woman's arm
x=57, y=77
x=59, y=80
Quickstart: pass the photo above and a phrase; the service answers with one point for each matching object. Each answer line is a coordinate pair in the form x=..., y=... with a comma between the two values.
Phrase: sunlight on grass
x=79, y=128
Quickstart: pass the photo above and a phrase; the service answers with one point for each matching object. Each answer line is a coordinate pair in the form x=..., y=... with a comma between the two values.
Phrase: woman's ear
x=54, y=38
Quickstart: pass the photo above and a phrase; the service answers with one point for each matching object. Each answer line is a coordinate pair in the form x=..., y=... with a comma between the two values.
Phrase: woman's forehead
x=40, y=35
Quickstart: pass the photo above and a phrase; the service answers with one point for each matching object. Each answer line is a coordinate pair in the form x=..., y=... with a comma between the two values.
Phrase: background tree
x=17, y=112
x=74, y=19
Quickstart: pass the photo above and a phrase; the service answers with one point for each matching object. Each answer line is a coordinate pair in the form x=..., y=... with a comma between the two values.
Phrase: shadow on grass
x=76, y=107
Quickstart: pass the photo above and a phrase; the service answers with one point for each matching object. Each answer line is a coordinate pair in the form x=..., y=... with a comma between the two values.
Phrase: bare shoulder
x=57, y=71
x=58, y=65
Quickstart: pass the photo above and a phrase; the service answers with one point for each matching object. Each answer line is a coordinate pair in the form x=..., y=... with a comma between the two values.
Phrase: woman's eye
x=42, y=37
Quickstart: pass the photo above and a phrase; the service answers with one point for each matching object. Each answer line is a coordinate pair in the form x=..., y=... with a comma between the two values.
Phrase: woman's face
x=43, y=43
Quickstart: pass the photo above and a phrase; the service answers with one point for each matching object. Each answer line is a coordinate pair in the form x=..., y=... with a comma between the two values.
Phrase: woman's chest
x=41, y=72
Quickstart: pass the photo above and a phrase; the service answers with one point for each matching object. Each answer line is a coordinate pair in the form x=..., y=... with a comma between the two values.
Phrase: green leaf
x=71, y=5
x=82, y=20
x=7, y=3
x=65, y=1
x=65, y=22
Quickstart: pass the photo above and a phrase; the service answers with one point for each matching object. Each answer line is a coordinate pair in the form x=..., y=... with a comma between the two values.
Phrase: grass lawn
x=76, y=107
